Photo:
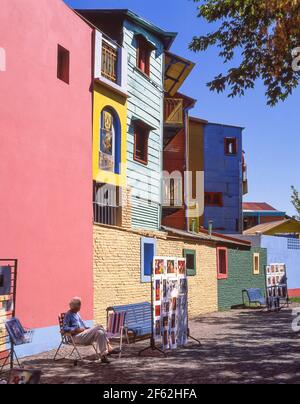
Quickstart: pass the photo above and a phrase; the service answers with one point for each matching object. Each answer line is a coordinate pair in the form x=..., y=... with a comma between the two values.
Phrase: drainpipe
x=210, y=227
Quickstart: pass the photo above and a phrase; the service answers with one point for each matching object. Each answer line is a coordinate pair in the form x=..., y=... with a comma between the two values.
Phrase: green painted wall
x=240, y=276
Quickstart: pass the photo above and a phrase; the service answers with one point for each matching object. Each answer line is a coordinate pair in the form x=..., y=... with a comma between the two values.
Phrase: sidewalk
x=248, y=346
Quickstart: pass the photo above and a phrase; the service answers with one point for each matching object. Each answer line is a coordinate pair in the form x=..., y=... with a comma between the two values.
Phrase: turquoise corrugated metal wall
x=145, y=102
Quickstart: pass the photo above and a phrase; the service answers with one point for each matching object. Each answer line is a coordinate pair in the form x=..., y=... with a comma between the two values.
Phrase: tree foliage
x=264, y=32
x=296, y=200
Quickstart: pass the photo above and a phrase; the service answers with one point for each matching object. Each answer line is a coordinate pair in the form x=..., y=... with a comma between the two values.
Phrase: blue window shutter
x=148, y=252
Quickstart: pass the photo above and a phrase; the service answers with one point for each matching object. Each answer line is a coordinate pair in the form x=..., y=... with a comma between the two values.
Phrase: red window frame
x=143, y=56
x=141, y=142
x=227, y=142
x=223, y=274
x=210, y=199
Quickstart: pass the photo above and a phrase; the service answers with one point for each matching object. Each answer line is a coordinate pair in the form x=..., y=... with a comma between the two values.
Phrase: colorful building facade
x=243, y=272
x=45, y=161
x=283, y=246
x=175, y=142
x=99, y=119
x=224, y=178
x=109, y=129
x=145, y=45
x=255, y=213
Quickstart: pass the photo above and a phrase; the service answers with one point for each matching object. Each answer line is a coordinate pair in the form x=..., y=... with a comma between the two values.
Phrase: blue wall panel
x=223, y=174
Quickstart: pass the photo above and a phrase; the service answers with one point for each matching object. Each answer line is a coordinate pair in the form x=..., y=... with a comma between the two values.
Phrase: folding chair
x=67, y=339
x=116, y=328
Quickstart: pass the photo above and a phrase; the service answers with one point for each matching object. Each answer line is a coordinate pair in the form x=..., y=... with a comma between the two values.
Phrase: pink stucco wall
x=45, y=158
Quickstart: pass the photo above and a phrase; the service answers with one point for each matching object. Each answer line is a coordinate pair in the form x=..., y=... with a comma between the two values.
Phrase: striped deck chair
x=116, y=328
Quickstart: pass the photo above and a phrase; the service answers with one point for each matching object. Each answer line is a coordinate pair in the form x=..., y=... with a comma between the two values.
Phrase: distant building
x=283, y=228
x=225, y=177
x=255, y=213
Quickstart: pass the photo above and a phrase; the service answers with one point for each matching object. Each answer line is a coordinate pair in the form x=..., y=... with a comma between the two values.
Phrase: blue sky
x=271, y=137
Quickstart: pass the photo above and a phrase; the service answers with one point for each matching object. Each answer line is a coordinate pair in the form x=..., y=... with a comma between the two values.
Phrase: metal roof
x=258, y=206
x=265, y=227
x=203, y=235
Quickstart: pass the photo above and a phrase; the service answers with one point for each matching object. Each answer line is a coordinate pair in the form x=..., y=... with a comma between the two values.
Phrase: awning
x=177, y=70
x=143, y=123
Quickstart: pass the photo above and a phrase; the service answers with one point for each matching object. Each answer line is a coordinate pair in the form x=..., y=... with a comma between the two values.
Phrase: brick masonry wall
x=117, y=274
x=240, y=276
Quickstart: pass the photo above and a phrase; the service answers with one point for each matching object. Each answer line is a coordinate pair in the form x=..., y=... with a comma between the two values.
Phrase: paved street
x=249, y=346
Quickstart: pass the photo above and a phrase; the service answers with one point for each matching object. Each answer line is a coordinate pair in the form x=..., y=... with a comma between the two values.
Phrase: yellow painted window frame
x=256, y=270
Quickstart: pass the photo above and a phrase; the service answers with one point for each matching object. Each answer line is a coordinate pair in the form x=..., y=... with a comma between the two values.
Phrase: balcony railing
x=109, y=62
x=106, y=204
x=174, y=111
x=106, y=214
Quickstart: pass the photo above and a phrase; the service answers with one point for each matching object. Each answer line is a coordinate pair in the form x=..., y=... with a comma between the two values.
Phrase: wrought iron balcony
x=109, y=67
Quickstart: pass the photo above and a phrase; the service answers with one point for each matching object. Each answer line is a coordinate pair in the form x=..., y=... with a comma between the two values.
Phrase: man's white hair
x=75, y=301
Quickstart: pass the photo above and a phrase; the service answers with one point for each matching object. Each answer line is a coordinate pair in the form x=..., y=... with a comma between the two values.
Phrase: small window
x=148, y=252
x=172, y=191
x=256, y=264
x=214, y=199
x=143, y=55
x=63, y=64
x=231, y=146
x=191, y=263
x=141, y=139
x=222, y=262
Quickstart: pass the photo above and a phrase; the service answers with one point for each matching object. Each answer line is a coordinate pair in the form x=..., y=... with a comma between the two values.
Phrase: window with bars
x=109, y=61
x=107, y=204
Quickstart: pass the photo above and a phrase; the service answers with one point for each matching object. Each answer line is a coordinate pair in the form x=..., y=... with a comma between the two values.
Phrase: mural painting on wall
x=170, y=305
x=106, y=158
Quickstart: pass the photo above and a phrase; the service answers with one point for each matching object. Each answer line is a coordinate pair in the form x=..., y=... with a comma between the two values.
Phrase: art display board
x=170, y=302
x=8, y=286
x=276, y=279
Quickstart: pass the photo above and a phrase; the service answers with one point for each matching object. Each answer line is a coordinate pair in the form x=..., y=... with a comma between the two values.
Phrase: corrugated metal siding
x=145, y=102
x=145, y=214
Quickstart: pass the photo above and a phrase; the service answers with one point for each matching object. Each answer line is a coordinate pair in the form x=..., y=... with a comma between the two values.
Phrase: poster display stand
x=8, y=286
x=276, y=286
x=169, y=305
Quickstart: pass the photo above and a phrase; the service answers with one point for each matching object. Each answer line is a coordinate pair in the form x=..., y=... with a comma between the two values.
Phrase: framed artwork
x=170, y=266
x=24, y=376
x=170, y=289
x=159, y=266
x=5, y=280
x=16, y=331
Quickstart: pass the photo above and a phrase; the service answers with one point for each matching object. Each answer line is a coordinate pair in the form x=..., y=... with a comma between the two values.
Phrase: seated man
x=87, y=336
